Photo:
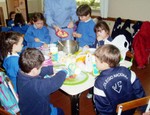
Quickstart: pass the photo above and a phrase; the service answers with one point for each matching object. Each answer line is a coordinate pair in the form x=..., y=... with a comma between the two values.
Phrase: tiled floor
x=62, y=100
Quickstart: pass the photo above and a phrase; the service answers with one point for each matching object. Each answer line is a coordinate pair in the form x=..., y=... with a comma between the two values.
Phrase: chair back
x=121, y=43
x=4, y=112
x=133, y=104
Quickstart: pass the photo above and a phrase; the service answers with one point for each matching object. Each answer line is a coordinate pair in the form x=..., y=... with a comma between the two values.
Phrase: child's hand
x=74, y=34
x=45, y=45
x=67, y=72
x=70, y=25
x=77, y=35
x=86, y=47
x=36, y=39
x=99, y=38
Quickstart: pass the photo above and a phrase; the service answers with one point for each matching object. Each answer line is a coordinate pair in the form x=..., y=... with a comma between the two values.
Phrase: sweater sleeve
x=138, y=89
x=29, y=37
x=11, y=66
x=48, y=13
x=91, y=36
x=73, y=11
x=49, y=85
x=46, y=35
x=102, y=103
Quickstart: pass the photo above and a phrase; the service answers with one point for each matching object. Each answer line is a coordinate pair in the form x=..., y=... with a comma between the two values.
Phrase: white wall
x=130, y=9
x=34, y=6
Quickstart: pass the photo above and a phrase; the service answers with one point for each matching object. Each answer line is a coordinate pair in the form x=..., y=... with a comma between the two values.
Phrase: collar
x=14, y=54
x=88, y=20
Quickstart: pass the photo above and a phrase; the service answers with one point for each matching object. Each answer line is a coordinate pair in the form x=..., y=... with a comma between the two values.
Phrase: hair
x=19, y=19
x=103, y=25
x=109, y=54
x=30, y=58
x=84, y=10
x=12, y=12
x=7, y=40
x=38, y=16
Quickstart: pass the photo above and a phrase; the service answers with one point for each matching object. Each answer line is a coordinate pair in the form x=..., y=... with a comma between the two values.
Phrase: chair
x=133, y=104
x=3, y=112
x=122, y=44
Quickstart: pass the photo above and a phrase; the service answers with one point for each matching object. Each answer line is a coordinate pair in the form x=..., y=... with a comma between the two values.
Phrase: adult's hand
x=56, y=28
x=71, y=24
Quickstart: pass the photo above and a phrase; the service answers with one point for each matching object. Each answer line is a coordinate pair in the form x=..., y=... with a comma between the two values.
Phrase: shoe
x=89, y=95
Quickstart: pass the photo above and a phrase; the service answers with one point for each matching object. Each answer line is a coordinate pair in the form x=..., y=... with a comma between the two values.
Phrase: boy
x=34, y=90
x=85, y=34
x=115, y=84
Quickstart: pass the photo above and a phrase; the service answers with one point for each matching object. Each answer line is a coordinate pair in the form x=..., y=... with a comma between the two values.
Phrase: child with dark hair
x=85, y=34
x=37, y=34
x=20, y=24
x=103, y=33
x=33, y=89
x=10, y=22
x=115, y=84
x=10, y=46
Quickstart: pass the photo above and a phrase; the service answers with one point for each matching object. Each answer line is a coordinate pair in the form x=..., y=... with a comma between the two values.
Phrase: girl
x=20, y=25
x=103, y=33
x=10, y=21
x=10, y=46
x=37, y=34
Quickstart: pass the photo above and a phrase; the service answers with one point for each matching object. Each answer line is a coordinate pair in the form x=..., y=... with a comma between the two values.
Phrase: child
x=20, y=25
x=103, y=33
x=10, y=46
x=37, y=34
x=10, y=22
x=85, y=34
x=115, y=84
x=34, y=90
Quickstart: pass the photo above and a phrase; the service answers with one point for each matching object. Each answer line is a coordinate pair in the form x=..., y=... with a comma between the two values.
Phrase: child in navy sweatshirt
x=33, y=89
x=115, y=84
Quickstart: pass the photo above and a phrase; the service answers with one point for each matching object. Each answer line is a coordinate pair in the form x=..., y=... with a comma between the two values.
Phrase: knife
x=64, y=27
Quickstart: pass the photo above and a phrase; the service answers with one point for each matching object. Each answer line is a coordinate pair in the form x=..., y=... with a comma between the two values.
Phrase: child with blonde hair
x=115, y=84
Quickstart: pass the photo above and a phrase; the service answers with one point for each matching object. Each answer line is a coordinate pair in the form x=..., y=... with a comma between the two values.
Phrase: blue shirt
x=33, y=33
x=11, y=67
x=20, y=28
x=86, y=29
x=10, y=23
